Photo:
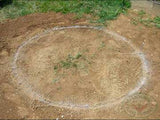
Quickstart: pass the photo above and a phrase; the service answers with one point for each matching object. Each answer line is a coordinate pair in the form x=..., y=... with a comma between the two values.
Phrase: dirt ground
x=77, y=69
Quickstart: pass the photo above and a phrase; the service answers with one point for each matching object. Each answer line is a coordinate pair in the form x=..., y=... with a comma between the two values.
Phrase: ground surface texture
x=79, y=68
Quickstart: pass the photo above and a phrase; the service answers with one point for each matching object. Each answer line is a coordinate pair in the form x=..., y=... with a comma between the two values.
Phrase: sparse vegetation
x=141, y=13
x=157, y=21
x=101, y=10
x=74, y=61
x=69, y=62
x=146, y=20
x=55, y=80
x=102, y=45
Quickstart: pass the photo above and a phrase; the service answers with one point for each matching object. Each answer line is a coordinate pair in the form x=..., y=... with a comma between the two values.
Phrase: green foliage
x=66, y=64
x=141, y=13
x=69, y=62
x=101, y=9
x=144, y=19
x=78, y=56
x=157, y=21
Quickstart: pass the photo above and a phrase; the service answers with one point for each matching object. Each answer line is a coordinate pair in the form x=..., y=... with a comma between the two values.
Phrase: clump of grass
x=55, y=80
x=156, y=20
x=78, y=56
x=141, y=13
x=134, y=21
x=102, y=10
x=69, y=62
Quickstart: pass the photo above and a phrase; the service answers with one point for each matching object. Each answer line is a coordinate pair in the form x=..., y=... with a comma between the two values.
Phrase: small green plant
x=55, y=80
x=156, y=20
x=66, y=64
x=134, y=21
x=55, y=67
x=141, y=13
x=78, y=56
x=102, y=45
x=69, y=62
x=158, y=25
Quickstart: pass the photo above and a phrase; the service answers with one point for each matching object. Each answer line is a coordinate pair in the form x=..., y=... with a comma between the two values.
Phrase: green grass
x=156, y=20
x=69, y=62
x=144, y=19
x=141, y=13
x=102, y=10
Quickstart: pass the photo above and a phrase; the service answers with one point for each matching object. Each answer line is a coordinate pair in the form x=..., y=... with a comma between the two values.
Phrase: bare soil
x=105, y=71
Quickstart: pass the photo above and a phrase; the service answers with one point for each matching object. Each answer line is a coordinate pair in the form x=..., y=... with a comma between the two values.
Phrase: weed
x=102, y=45
x=69, y=62
x=134, y=21
x=65, y=64
x=78, y=56
x=158, y=25
x=141, y=13
x=55, y=68
x=55, y=80
x=156, y=20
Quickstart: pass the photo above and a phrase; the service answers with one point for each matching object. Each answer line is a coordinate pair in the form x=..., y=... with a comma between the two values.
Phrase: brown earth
x=84, y=80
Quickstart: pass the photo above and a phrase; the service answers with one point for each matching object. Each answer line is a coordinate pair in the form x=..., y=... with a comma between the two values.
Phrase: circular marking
x=29, y=91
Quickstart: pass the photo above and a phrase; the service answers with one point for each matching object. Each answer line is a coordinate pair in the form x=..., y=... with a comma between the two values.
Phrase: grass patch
x=69, y=62
x=156, y=20
x=101, y=10
x=144, y=19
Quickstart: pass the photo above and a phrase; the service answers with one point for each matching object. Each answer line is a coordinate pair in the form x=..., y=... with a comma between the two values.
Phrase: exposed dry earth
x=81, y=71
